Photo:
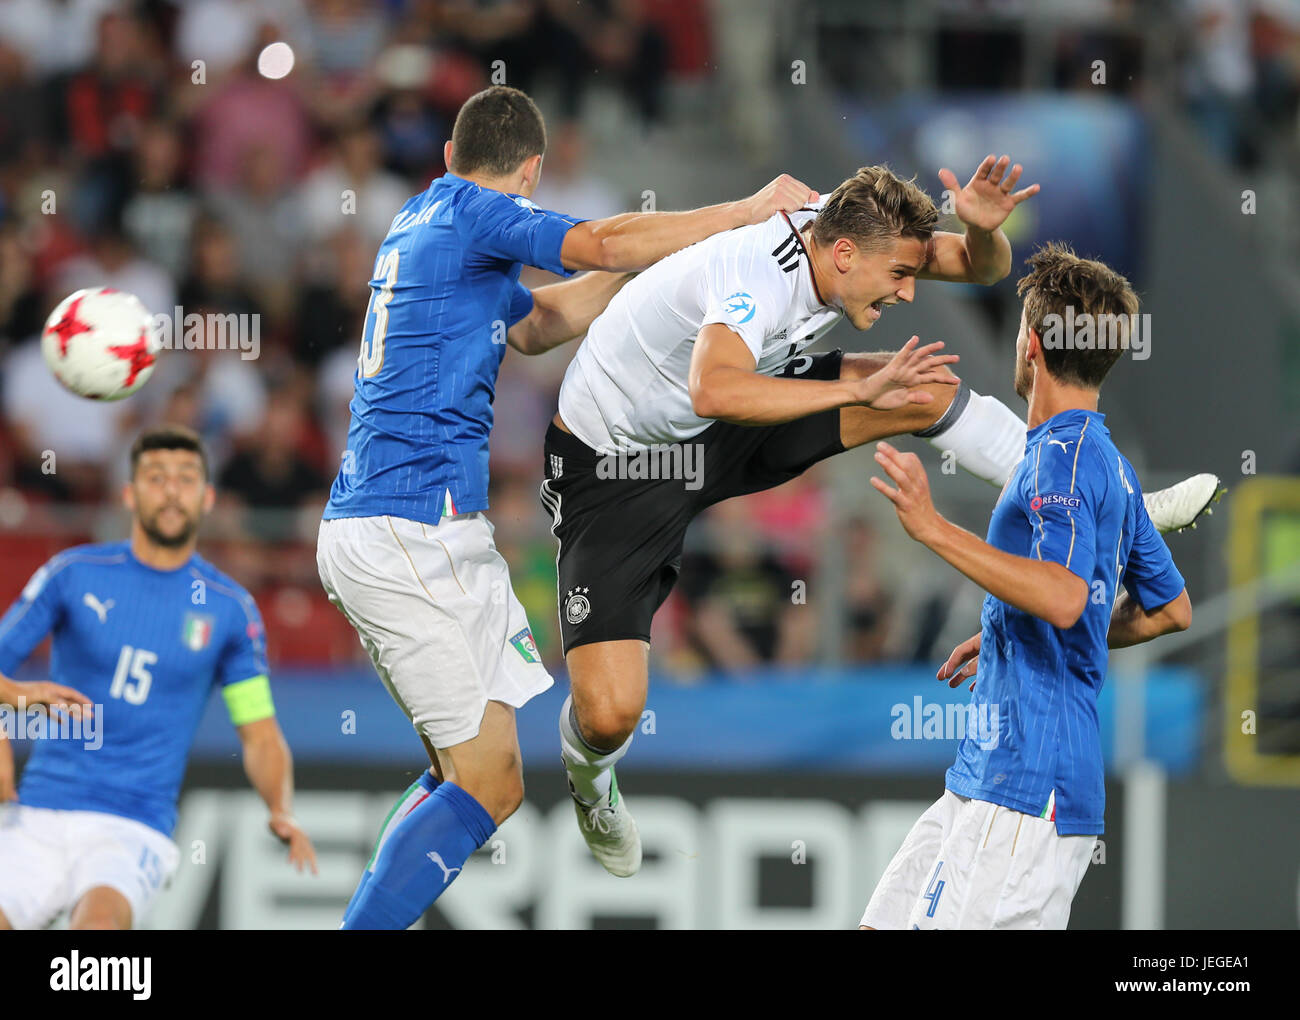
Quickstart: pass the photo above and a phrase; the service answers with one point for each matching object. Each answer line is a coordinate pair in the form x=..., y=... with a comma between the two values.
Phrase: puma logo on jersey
x=447, y=872
x=101, y=608
x=1062, y=443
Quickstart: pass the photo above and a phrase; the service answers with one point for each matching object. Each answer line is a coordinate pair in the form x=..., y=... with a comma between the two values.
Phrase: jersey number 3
x=371, y=359
x=132, y=678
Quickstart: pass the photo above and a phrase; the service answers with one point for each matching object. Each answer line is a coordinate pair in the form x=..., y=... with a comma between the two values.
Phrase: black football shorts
x=621, y=520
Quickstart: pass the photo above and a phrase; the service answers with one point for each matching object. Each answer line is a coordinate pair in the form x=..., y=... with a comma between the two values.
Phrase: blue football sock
x=416, y=792
x=419, y=858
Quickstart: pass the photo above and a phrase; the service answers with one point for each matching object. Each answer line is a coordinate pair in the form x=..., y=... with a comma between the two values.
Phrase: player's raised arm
x=1040, y=587
x=562, y=311
x=633, y=241
x=983, y=254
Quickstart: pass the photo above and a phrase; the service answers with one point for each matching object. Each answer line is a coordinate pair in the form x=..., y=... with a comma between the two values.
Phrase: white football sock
x=985, y=435
x=588, y=767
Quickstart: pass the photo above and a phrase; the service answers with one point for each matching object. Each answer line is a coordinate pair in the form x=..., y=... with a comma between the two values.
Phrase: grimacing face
x=868, y=281
x=169, y=495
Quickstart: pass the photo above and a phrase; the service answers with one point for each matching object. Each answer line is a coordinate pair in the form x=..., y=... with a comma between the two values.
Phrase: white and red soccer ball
x=100, y=343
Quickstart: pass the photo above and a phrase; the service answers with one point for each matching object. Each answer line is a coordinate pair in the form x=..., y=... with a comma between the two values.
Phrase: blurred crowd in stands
x=1242, y=74
x=141, y=147
x=1236, y=62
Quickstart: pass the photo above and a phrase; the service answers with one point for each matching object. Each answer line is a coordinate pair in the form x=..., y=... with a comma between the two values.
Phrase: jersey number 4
x=371, y=358
x=132, y=678
x=934, y=890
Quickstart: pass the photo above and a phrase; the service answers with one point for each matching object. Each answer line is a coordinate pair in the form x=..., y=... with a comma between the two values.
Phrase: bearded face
x=169, y=495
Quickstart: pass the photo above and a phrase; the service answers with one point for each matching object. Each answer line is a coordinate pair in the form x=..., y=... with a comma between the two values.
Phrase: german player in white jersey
x=692, y=387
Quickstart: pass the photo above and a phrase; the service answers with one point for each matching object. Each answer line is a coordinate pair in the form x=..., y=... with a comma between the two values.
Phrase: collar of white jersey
x=807, y=255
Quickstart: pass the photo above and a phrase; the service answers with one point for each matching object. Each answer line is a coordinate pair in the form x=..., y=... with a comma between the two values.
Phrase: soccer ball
x=100, y=343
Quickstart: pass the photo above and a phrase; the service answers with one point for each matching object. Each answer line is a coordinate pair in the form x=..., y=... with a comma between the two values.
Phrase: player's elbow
x=589, y=246
x=524, y=341
x=995, y=273
x=598, y=247
x=1064, y=617
x=706, y=401
x=614, y=253
x=1067, y=609
x=1179, y=612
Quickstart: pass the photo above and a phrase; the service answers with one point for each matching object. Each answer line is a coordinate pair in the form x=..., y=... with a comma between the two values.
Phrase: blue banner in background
x=1089, y=154
x=878, y=719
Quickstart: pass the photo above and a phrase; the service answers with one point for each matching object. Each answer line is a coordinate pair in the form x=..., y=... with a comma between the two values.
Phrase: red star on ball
x=69, y=326
x=137, y=354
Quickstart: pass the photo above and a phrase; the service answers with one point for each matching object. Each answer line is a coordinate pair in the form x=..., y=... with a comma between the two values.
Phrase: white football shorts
x=970, y=864
x=437, y=616
x=50, y=859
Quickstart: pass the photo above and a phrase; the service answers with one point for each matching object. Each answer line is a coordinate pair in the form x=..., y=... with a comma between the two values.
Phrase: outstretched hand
x=988, y=198
x=912, y=497
x=896, y=384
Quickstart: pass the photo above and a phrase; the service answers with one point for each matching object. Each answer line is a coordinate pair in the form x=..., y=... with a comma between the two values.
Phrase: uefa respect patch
x=1055, y=499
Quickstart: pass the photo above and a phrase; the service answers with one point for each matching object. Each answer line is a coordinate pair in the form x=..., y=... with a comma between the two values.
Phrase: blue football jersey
x=1074, y=500
x=444, y=292
x=147, y=647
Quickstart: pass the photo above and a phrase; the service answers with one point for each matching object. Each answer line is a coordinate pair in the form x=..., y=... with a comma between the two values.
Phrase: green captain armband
x=249, y=700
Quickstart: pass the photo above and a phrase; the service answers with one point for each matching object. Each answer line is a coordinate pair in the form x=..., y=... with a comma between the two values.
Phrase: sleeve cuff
x=550, y=238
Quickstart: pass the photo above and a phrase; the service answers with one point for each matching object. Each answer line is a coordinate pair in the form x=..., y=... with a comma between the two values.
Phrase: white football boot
x=610, y=831
x=1179, y=506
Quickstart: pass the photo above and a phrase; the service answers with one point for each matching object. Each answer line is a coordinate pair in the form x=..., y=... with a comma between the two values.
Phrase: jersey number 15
x=132, y=678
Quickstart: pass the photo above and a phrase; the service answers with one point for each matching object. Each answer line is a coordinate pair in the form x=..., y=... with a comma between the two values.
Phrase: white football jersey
x=627, y=385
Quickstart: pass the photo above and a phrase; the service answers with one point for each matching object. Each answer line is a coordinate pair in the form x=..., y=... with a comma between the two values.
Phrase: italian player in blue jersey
x=146, y=628
x=405, y=550
x=1008, y=843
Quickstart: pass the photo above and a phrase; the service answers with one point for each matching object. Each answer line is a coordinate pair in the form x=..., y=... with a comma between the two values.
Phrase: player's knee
x=608, y=725
x=99, y=919
x=512, y=794
x=919, y=416
x=96, y=922
x=859, y=366
x=930, y=413
x=505, y=793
